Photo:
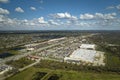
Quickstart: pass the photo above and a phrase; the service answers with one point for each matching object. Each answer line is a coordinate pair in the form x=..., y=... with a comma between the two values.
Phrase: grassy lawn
x=22, y=62
x=14, y=50
x=65, y=75
x=112, y=60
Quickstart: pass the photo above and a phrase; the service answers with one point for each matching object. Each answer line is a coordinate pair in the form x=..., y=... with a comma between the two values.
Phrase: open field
x=64, y=75
x=109, y=43
x=20, y=63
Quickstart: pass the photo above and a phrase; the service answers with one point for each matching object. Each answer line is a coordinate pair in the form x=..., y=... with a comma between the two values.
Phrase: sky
x=59, y=14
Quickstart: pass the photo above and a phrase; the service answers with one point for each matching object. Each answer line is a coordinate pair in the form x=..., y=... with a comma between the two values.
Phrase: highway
x=16, y=57
x=21, y=69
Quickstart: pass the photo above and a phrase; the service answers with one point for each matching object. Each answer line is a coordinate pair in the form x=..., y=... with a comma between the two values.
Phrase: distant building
x=57, y=39
x=35, y=58
x=88, y=46
x=4, y=68
x=84, y=41
x=31, y=47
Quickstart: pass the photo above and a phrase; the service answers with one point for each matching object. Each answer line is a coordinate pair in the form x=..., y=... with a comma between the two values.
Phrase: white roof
x=83, y=54
x=56, y=39
x=85, y=46
x=31, y=45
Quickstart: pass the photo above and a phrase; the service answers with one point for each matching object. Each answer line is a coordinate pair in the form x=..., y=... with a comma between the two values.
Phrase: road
x=2, y=77
x=16, y=57
x=29, y=65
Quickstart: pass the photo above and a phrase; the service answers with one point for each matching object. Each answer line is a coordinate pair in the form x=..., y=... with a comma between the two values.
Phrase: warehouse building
x=86, y=54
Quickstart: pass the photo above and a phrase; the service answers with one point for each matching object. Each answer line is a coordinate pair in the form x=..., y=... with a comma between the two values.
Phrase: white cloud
x=19, y=9
x=86, y=16
x=4, y=1
x=110, y=7
x=1, y=18
x=52, y=22
x=84, y=24
x=32, y=24
x=65, y=15
x=4, y=11
x=118, y=6
x=41, y=20
x=32, y=8
x=25, y=20
x=98, y=19
x=98, y=16
x=105, y=16
x=6, y=21
x=114, y=7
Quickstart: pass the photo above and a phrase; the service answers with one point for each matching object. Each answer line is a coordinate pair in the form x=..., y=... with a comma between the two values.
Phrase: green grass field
x=65, y=75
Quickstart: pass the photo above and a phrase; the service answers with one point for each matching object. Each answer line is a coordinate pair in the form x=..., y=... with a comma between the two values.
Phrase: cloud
x=41, y=20
x=118, y=6
x=19, y=9
x=105, y=16
x=87, y=16
x=114, y=7
x=32, y=8
x=110, y=7
x=65, y=15
x=83, y=24
x=1, y=18
x=7, y=21
x=86, y=21
x=4, y=1
x=52, y=22
x=4, y=11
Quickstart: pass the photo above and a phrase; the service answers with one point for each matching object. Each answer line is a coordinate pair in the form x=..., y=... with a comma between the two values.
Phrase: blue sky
x=59, y=14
